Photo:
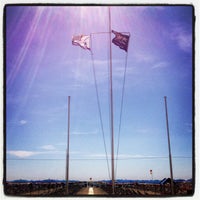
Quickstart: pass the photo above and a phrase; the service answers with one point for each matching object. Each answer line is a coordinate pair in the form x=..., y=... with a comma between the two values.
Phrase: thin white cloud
x=101, y=72
x=188, y=124
x=22, y=122
x=182, y=37
x=104, y=63
x=84, y=133
x=61, y=144
x=100, y=62
x=75, y=152
x=189, y=127
x=98, y=155
x=147, y=8
x=160, y=65
x=144, y=57
x=129, y=156
x=185, y=42
x=26, y=154
x=23, y=154
x=124, y=156
x=48, y=147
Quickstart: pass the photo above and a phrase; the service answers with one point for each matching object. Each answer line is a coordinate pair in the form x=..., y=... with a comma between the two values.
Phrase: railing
x=132, y=189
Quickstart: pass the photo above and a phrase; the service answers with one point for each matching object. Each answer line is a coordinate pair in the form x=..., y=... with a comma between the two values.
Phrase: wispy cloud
x=189, y=127
x=100, y=70
x=75, y=152
x=23, y=154
x=50, y=114
x=48, y=147
x=26, y=154
x=184, y=41
x=144, y=57
x=137, y=156
x=188, y=124
x=182, y=36
x=129, y=156
x=61, y=144
x=23, y=122
x=98, y=155
x=160, y=65
x=84, y=133
x=125, y=156
x=141, y=9
x=17, y=122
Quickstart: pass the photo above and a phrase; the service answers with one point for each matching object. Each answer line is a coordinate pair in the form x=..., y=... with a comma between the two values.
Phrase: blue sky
x=43, y=68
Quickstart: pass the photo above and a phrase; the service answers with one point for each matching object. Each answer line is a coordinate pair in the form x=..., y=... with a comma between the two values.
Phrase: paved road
x=91, y=191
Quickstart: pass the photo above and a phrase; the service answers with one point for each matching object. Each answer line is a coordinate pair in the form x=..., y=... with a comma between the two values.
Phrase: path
x=91, y=191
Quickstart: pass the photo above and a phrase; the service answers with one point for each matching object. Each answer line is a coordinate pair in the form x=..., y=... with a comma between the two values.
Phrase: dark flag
x=121, y=40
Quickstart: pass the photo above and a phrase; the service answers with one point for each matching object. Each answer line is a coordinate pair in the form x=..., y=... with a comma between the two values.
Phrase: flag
x=82, y=40
x=121, y=40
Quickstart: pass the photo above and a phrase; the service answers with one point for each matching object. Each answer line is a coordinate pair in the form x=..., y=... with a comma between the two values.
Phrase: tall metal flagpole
x=67, y=156
x=170, y=156
x=111, y=109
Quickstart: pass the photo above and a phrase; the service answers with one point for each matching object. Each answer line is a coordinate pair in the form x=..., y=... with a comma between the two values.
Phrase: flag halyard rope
x=99, y=108
x=121, y=109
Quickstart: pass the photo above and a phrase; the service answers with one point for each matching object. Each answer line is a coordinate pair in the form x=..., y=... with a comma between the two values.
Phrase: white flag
x=82, y=40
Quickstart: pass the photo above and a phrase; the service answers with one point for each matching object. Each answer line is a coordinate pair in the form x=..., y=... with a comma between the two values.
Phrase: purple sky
x=43, y=68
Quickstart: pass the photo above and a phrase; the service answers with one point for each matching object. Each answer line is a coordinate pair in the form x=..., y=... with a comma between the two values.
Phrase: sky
x=43, y=68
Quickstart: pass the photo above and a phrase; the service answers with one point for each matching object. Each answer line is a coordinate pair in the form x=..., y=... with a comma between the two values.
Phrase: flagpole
x=170, y=156
x=111, y=109
x=67, y=156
